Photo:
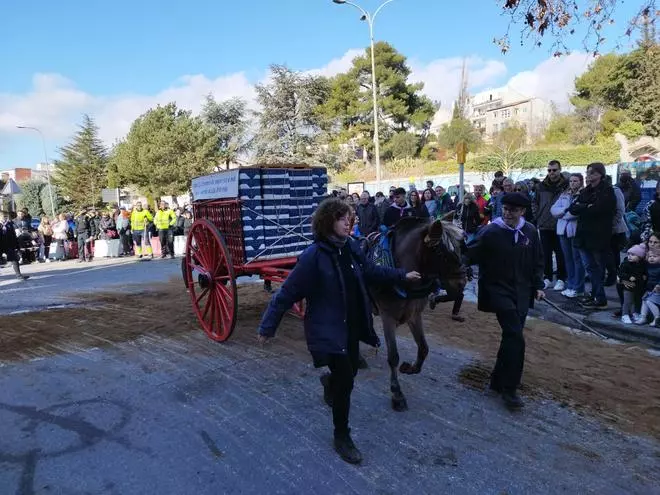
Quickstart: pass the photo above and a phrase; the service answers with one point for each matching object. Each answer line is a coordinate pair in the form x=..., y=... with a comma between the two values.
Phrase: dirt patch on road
x=619, y=383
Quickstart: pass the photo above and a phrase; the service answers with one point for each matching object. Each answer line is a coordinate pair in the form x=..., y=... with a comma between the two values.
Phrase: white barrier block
x=179, y=245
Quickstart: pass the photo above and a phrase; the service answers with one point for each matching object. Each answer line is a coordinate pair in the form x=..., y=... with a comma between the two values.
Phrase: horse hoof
x=408, y=369
x=399, y=405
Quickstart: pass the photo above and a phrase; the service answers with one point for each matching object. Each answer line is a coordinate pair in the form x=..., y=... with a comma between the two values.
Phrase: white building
x=495, y=109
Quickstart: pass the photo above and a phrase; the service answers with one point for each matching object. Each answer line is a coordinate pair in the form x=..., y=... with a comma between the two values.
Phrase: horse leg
x=389, y=329
x=417, y=331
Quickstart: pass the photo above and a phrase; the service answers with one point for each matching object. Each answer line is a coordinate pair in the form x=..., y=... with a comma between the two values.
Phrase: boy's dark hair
x=399, y=191
x=329, y=211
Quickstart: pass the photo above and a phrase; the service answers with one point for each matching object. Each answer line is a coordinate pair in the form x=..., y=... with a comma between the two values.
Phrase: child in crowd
x=631, y=278
x=651, y=300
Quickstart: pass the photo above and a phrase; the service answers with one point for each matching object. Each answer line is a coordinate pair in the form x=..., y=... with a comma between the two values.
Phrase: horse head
x=433, y=249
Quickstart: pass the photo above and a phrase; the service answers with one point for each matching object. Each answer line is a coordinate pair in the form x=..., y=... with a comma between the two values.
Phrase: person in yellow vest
x=139, y=223
x=165, y=221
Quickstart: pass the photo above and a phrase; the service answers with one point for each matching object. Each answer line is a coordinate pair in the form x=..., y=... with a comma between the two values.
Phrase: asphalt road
x=57, y=283
x=186, y=416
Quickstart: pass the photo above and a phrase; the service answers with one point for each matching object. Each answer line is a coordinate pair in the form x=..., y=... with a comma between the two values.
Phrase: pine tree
x=81, y=172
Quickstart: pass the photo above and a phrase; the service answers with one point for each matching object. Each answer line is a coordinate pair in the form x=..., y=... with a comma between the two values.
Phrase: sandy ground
x=617, y=383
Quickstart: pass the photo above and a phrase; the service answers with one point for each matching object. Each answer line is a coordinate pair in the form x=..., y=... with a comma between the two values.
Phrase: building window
x=524, y=109
x=506, y=114
x=515, y=111
x=495, y=128
x=494, y=115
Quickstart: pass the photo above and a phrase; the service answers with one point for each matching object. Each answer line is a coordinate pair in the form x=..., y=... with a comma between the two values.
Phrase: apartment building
x=493, y=110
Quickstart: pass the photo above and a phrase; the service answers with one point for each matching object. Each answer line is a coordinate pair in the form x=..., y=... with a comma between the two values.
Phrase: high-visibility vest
x=139, y=219
x=165, y=219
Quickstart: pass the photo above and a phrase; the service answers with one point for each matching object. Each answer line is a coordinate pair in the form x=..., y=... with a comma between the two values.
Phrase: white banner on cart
x=216, y=186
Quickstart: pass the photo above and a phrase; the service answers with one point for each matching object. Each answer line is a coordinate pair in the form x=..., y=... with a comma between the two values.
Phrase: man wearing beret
x=510, y=259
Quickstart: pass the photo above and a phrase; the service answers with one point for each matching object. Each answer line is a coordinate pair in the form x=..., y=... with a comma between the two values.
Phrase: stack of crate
x=276, y=209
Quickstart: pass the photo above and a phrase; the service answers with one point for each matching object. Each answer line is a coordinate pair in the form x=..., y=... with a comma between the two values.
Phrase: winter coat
x=107, y=228
x=432, y=207
x=395, y=213
x=8, y=240
x=651, y=219
x=445, y=205
x=123, y=223
x=420, y=211
x=546, y=195
x=494, y=208
x=594, y=207
x=632, y=272
x=187, y=225
x=482, y=203
x=653, y=276
x=566, y=221
x=82, y=227
x=317, y=279
x=369, y=221
x=94, y=226
x=632, y=194
x=382, y=208
x=60, y=230
x=468, y=216
x=619, y=222
x=509, y=273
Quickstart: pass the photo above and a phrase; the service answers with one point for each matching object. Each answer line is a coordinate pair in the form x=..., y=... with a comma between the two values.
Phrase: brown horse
x=434, y=250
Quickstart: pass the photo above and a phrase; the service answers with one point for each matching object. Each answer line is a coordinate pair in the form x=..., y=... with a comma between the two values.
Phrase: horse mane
x=450, y=239
x=452, y=236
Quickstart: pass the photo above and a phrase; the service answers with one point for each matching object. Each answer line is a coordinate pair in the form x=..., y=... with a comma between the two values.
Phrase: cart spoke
x=209, y=303
x=203, y=293
x=222, y=301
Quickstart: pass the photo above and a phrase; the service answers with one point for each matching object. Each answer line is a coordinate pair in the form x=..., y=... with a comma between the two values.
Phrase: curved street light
x=370, y=18
x=43, y=142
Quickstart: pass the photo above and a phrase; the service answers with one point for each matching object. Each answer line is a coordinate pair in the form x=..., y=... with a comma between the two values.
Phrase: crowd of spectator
x=74, y=235
x=585, y=223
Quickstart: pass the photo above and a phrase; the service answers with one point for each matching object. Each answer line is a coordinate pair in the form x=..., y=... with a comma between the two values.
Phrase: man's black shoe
x=163, y=256
x=22, y=277
x=512, y=401
x=362, y=363
x=327, y=392
x=347, y=450
x=593, y=304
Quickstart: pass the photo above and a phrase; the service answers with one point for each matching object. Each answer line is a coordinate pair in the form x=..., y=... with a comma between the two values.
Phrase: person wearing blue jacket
x=332, y=276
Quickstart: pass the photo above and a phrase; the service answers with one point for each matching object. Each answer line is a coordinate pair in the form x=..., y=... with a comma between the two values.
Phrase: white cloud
x=553, y=79
x=337, y=65
x=55, y=104
x=442, y=77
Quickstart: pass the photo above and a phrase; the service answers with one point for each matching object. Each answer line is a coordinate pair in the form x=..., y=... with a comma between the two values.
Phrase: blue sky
x=115, y=59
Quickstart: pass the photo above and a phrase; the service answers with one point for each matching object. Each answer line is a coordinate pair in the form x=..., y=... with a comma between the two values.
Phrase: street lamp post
x=370, y=18
x=50, y=187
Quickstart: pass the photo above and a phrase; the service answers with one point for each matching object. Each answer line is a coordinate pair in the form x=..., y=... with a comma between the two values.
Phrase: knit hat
x=638, y=250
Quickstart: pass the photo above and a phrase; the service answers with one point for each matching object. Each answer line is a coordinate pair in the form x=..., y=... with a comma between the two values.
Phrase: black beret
x=516, y=199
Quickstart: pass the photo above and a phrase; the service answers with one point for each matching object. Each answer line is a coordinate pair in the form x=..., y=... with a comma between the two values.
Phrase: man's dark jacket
x=317, y=278
x=82, y=225
x=547, y=194
x=8, y=240
x=509, y=273
x=595, y=208
x=369, y=221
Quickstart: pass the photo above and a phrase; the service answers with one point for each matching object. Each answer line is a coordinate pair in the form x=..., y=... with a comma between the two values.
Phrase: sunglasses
x=553, y=170
x=517, y=190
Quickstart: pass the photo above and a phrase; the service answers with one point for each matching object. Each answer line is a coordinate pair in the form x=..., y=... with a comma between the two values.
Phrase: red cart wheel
x=211, y=280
